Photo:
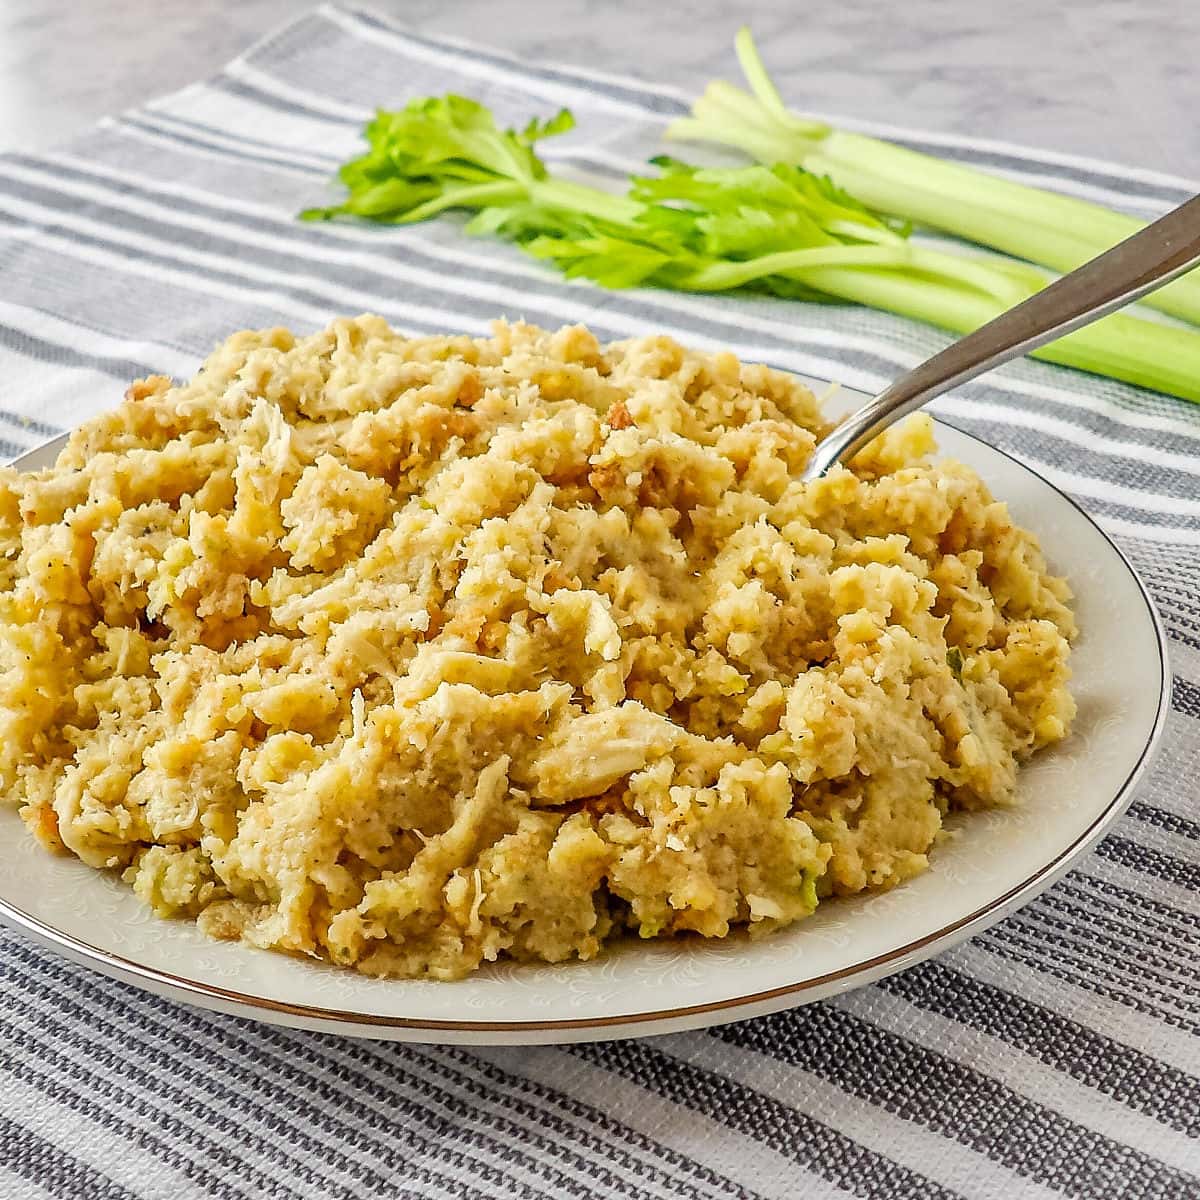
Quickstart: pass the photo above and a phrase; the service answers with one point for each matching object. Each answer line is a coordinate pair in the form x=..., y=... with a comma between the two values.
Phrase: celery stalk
x=1055, y=231
x=1121, y=347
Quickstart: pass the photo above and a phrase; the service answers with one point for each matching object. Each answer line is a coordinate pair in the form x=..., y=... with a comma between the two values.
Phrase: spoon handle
x=1140, y=264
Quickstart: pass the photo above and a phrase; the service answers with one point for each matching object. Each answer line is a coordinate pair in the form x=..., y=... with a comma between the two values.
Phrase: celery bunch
x=775, y=228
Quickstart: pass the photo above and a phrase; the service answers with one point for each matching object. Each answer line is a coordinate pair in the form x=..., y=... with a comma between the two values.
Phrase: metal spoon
x=1140, y=264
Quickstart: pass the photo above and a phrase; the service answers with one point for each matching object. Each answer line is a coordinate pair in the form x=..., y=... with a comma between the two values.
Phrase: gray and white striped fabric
x=1055, y=1055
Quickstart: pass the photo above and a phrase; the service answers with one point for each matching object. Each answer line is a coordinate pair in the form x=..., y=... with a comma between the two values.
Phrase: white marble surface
x=1109, y=78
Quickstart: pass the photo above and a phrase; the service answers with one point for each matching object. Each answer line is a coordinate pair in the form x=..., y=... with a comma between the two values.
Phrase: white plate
x=1072, y=795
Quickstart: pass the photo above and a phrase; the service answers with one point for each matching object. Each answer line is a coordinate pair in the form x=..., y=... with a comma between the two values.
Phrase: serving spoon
x=1132, y=268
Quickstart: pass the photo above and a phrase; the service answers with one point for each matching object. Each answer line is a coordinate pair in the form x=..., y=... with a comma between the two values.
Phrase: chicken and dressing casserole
x=414, y=653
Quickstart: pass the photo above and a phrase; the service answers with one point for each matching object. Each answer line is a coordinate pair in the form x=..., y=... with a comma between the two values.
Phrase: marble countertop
x=1108, y=78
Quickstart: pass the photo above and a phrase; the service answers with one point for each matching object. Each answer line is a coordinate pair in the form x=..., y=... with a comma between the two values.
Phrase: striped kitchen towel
x=1057, y=1054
